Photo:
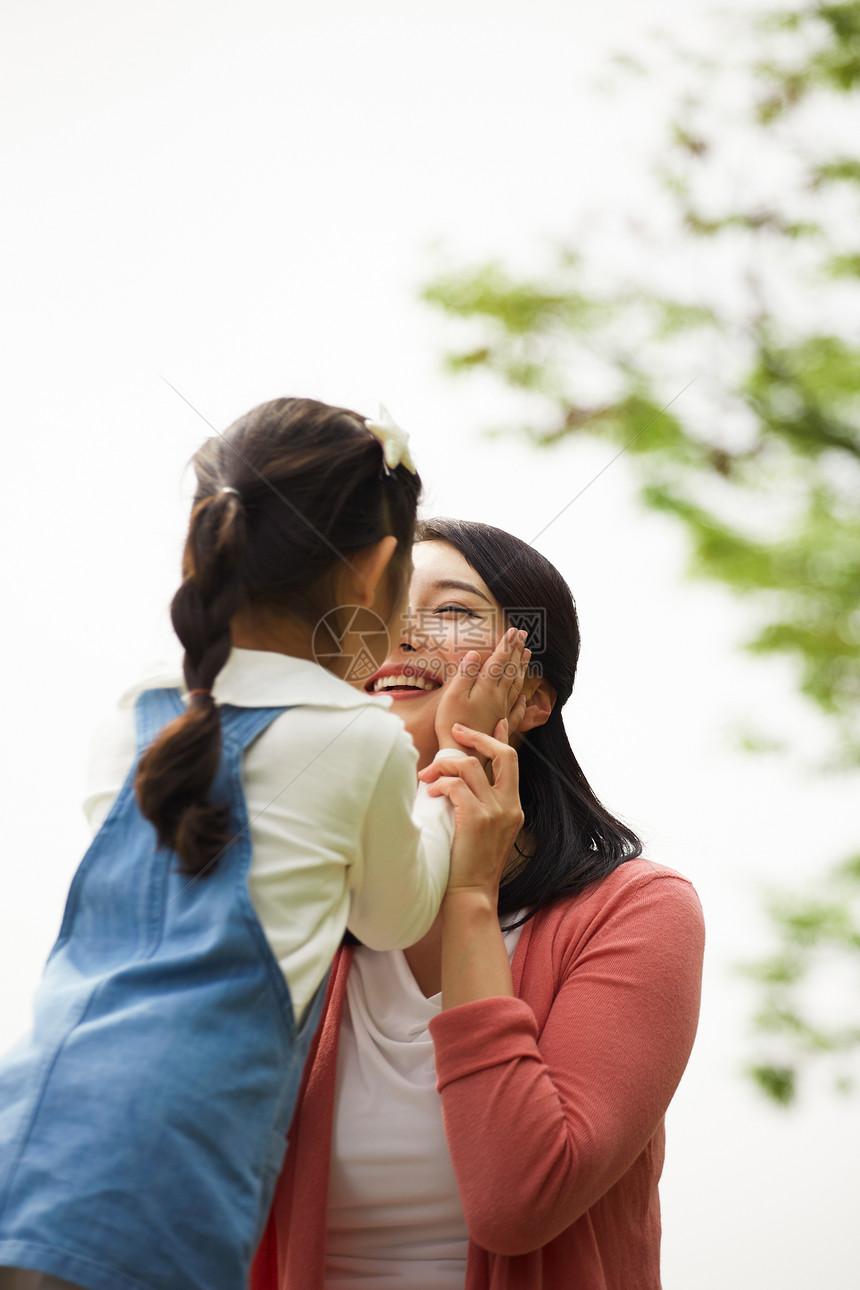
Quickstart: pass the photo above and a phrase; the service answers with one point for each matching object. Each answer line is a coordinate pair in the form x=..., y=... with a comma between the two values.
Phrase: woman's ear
x=541, y=701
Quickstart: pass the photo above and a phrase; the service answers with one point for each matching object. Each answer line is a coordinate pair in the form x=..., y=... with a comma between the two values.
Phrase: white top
x=394, y=1212
x=338, y=836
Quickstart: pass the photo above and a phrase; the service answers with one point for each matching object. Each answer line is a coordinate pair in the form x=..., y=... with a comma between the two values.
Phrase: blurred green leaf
x=842, y=170
x=519, y=307
x=674, y=316
x=777, y=1082
x=843, y=266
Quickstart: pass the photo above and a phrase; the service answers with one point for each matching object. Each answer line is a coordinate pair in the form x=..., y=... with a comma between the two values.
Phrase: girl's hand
x=478, y=697
x=487, y=816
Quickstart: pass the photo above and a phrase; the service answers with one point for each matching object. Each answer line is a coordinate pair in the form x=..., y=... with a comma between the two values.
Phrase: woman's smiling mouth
x=402, y=681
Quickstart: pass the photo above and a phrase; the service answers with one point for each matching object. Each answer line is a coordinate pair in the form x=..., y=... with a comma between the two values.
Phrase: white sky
x=243, y=200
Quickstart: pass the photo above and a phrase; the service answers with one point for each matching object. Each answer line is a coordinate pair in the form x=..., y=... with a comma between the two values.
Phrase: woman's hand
x=478, y=697
x=487, y=816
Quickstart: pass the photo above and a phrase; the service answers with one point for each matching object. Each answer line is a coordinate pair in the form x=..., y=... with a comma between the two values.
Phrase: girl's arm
x=399, y=881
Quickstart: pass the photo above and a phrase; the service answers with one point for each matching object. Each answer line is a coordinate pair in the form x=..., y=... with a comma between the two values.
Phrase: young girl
x=246, y=816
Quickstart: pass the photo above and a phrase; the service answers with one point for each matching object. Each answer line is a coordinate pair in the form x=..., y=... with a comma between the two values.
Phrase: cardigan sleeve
x=542, y=1120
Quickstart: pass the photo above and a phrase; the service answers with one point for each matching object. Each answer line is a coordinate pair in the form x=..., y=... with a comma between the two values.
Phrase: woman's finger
x=470, y=770
x=431, y=772
x=501, y=731
x=486, y=744
x=454, y=788
x=504, y=758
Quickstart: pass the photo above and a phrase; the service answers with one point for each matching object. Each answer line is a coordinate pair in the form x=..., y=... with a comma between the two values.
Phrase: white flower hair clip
x=395, y=442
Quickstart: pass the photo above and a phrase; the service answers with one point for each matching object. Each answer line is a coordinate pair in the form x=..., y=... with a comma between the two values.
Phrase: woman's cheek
x=420, y=723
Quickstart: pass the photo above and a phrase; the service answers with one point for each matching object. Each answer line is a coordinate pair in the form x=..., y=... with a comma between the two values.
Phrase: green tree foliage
x=727, y=367
x=819, y=944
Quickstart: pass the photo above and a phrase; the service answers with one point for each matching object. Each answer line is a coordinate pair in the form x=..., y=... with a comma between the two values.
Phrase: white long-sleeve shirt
x=394, y=1216
x=339, y=837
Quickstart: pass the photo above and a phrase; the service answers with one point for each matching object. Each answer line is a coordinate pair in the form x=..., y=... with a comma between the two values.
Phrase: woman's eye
x=454, y=609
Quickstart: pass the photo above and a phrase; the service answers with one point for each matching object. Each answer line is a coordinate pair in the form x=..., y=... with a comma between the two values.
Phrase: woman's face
x=451, y=611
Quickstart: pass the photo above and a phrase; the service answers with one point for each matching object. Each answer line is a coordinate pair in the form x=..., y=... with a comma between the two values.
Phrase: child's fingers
x=508, y=667
x=510, y=676
x=470, y=663
x=506, y=655
x=517, y=678
x=517, y=712
x=501, y=669
x=468, y=669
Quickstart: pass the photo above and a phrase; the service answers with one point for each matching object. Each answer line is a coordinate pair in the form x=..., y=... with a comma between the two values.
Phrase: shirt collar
x=255, y=678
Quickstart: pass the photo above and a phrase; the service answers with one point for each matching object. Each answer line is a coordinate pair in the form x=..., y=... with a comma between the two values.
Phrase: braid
x=175, y=773
x=212, y=588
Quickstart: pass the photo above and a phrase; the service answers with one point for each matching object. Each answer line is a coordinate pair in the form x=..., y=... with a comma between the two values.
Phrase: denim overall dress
x=143, y=1120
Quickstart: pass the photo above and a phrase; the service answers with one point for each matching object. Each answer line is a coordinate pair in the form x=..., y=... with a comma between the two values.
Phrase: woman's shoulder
x=632, y=888
x=639, y=874
x=642, y=912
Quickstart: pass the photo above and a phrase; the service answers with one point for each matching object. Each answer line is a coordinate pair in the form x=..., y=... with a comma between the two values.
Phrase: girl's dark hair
x=573, y=840
x=310, y=488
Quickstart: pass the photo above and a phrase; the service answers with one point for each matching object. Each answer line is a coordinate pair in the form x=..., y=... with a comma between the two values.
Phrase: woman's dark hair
x=573, y=840
x=282, y=497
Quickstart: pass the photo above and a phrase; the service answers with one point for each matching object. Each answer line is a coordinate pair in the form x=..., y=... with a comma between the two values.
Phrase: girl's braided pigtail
x=175, y=773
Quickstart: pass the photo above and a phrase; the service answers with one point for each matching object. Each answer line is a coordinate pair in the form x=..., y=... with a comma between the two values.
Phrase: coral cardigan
x=553, y=1100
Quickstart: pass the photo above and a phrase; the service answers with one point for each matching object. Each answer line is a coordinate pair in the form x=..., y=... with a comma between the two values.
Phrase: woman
x=508, y=1133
